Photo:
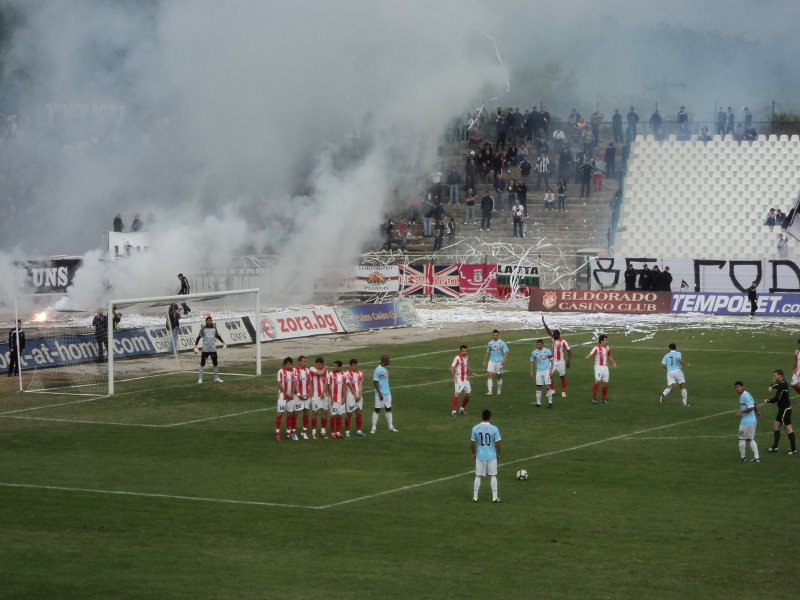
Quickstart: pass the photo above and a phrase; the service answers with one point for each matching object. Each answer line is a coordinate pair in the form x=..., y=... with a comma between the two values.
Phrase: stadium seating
x=706, y=200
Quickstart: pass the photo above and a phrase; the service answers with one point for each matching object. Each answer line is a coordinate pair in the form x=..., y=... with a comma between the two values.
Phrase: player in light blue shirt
x=747, y=413
x=383, y=396
x=543, y=359
x=494, y=361
x=485, y=443
x=674, y=364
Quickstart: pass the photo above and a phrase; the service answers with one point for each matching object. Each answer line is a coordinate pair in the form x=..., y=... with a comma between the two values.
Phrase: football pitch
x=183, y=492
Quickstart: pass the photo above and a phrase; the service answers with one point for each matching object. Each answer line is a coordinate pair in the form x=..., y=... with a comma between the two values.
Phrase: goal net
x=142, y=343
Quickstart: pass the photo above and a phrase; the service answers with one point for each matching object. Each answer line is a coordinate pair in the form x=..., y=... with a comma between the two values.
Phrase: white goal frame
x=179, y=298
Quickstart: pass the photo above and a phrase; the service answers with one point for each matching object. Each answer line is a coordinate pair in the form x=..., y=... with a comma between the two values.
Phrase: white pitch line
x=246, y=412
x=518, y=460
x=359, y=498
x=81, y=421
x=150, y=495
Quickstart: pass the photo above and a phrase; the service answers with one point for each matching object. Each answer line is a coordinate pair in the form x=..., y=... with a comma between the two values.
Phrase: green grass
x=607, y=513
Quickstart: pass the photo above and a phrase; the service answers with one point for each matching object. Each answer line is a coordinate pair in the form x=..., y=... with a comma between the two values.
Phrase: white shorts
x=291, y=405
x=352, y=404
x=463, y=386
x=747, y=432
x=542, y=377
x=337, y=408
x=320, y=403
x=385, y=403
x=675, y=376
x=495, y=366
x=795, y=379
x=601, y=374
x=281, y=403
x=300, y=404
x=485, y=467
x=560, y=367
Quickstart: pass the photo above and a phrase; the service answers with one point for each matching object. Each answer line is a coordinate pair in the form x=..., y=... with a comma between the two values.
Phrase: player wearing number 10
x=485, y=443
x=673, y=362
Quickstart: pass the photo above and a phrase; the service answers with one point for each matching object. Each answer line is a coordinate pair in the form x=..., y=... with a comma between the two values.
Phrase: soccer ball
x=522, y=475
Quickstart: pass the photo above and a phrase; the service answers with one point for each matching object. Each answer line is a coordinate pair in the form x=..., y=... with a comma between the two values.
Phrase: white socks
x=389, y=419
x=685, y=396
x=490, y=384
x=476, y=486
x=493, y=482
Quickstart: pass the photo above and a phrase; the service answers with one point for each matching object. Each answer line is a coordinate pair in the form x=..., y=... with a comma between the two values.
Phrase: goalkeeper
x=209, y=335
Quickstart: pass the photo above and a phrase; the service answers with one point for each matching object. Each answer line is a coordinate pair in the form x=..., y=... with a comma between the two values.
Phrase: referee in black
x=784, y=416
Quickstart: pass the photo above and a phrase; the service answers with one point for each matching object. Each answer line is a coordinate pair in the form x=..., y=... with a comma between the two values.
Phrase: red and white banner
x=428, y=279
x=478, y=279
x=298, y=323
x=599, y=301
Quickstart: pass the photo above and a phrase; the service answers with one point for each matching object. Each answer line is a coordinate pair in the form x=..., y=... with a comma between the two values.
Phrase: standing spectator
x=469, y=207
x=544, y=120
x=646, y=279
x=453, y=181
x=611, y=160
x=558, y=139
x=748, y=117
x=616, y=126
x=682, y=120
x=752, y=297
x=471, y=172
x=561, y=190
x=502, y=132
x=730, y=126
x=525, y=169
x=598, y=170
x=512, y=192
x=438, y=235
x=119, y=226
x=427, y=219
x=633, y=121
x=784, y=416
x=655, y=125
x=594, y=122
x=451, y=231
x=173, y=325
x=517, y=213
x=542, y=170
x=522, y=195
x=747, y=413
x=16, y=345
x=485, y=444
x=383, y=395
x=630, y=278
x=666, y=280
x=722, y=119
x=100, y=324
x=137, y=224
x=185, y=289
x=209, y=334
x=587, y=140
x=487, y=206
x=387, y=229
x=586, y=170
x=499, y=188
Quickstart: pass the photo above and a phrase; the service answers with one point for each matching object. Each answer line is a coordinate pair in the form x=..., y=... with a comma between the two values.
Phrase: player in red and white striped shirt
x=562, y=356
x=354, y=403
x=285, y=378
x=337, y=382
x=320, y=403
x=458, y=369
x=302, y=393
x=602, y=358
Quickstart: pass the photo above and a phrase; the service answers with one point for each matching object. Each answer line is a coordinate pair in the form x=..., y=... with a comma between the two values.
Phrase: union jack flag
x=428, y=279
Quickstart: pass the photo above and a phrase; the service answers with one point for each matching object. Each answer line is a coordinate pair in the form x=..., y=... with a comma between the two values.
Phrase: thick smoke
x=287, y=128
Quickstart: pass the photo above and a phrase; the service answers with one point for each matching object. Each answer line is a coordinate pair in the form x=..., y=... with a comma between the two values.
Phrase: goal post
x=156, y=348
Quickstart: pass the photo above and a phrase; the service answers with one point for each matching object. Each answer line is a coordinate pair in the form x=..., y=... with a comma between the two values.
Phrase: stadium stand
x=706, y=200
